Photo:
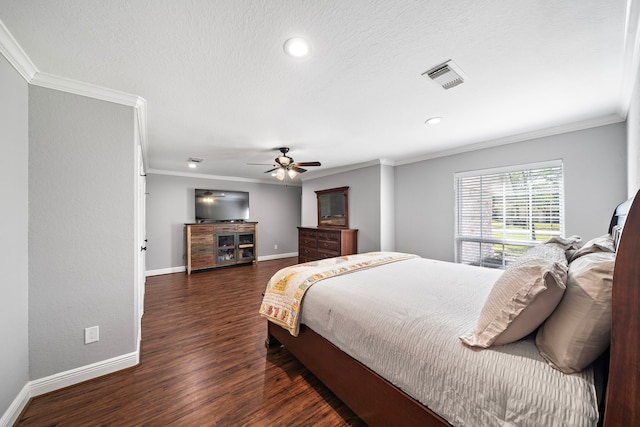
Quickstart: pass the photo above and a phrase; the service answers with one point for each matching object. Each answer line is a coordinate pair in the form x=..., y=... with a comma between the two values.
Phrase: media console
x=212, y=245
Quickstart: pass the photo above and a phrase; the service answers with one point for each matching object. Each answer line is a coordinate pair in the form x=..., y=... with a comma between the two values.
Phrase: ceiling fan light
x=284, y=160
x=292, y=174
x=280, y=174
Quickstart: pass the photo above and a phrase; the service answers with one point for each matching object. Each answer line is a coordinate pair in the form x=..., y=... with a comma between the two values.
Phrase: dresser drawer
x=303, y=259
x=307, y=241
x=307, y=252
x=308, y=233
x=243, y=228
x=329, y=235
x=327, y=254
x=328, y=245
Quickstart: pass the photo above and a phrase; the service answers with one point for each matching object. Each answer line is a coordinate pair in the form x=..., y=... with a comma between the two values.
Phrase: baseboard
x=277, y=256
x=169, y=270
x=83, y=373
x=182, y=268
x=65, y=379
x=16, y=407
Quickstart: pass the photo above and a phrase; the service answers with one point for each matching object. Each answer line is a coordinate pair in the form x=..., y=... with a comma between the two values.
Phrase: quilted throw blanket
x=282, y=300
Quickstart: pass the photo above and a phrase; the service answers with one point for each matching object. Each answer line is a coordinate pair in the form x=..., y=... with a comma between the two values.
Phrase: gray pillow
x=579, y=329
x=522, y=298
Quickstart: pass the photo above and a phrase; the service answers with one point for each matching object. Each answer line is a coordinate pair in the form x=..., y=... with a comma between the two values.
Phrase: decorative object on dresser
x=333, y=207
x=221, y=244
x=318, y=243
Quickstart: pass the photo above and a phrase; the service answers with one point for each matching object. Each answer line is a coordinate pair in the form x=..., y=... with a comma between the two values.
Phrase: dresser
x=319, y=243
x=220, y=244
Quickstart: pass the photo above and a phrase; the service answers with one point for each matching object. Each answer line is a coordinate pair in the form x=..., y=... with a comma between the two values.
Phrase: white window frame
x=459, y=239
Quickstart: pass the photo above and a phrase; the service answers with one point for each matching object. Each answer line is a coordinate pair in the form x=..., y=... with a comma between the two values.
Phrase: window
x=500, y=213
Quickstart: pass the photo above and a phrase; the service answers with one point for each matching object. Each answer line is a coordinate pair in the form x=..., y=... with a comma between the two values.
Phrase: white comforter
x=403, y=320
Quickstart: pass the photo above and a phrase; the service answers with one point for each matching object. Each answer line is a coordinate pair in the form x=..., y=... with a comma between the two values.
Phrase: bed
x=362, y=371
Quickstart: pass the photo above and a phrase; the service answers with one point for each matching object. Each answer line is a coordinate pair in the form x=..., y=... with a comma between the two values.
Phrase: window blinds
x=501, y=213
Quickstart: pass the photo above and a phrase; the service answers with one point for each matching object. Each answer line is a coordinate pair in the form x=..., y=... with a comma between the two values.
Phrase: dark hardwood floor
x=203, y=363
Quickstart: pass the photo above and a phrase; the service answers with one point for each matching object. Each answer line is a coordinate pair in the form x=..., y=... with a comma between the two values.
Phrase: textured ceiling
x=219, y=86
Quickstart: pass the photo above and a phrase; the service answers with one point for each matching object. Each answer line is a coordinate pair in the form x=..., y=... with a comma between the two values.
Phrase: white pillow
x=522, y=298
x=579, y=330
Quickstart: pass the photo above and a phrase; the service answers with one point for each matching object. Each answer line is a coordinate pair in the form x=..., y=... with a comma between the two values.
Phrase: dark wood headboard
x=623, y=387
x=620, y=214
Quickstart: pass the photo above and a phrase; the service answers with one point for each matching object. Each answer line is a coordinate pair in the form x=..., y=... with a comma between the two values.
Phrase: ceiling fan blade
x=271, y=170
x=297, y=169
x=308, y=164
x=261, y=164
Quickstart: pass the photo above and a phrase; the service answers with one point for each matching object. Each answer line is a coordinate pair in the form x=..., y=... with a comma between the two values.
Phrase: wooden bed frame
x=378, y=402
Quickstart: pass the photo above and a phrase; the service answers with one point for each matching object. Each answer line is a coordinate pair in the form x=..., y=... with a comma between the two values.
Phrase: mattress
x=403, y=320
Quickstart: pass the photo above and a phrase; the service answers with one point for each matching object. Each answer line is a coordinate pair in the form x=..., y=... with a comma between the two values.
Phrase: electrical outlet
x=275, y=246
x=91, y=334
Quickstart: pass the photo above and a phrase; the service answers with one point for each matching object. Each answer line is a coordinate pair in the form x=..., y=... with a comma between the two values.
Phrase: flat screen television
x=221, y=205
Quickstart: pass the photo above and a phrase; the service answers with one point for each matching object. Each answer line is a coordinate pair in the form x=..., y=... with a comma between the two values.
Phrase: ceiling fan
x=286, y=165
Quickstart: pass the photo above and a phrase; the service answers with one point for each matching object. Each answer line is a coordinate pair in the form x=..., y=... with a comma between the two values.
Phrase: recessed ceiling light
x=433, y=120
x=193, y=162
x=297, y=47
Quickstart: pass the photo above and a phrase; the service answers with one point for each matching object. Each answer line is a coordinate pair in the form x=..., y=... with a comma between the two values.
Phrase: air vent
x=196, y=160
x=447, y=75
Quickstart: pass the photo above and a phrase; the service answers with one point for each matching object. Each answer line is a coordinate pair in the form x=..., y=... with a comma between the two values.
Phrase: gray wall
x=365, y=197
x=595, y=180
x=14, y=285
x=82, y=178
x=170, y=204
x=387, y=208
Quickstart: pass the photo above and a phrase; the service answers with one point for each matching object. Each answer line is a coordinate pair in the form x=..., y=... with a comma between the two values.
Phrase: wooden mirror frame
x=337, y=222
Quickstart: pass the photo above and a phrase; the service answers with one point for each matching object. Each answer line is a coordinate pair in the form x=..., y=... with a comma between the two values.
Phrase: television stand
x=221, y=244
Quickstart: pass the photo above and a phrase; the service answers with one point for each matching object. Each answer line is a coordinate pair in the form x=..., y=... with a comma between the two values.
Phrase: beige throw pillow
x=579, y=330
x=603, y=243
x=522, y=298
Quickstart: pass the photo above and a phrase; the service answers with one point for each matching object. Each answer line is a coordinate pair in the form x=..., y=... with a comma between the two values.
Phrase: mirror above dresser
x=333, y=207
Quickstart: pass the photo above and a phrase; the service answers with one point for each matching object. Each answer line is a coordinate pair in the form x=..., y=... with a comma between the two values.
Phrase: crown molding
x=89, y=90
x=541, y=133
x=17, y=57
x=347, y=168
